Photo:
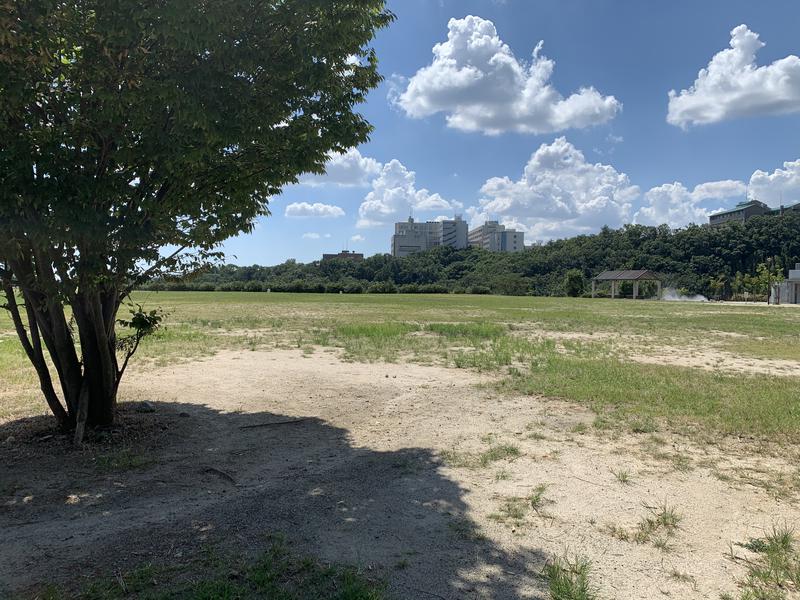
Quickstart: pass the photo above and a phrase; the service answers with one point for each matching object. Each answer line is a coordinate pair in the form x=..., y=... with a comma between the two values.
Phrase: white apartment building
x=410, y=237
x=496, y=238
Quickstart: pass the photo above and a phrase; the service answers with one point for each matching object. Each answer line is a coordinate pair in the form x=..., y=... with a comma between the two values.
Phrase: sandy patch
x=346, y=460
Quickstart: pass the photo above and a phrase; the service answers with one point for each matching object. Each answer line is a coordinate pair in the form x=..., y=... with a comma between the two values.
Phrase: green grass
x=277, y=575
x=474, y=460
x=568, y=579
x=775, y=572
x=518, y=338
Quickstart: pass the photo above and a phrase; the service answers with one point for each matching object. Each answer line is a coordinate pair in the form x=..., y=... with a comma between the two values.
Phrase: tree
x=136, y=136
x=574, y=283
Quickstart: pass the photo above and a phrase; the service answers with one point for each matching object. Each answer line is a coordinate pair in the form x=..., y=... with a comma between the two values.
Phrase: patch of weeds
x=775, y=573
x=499, y=452
x=682, y=463
x=662, y=543
x=657, y=528
x=536, y=498
x=122, y=460
x=618, y=532
x=471, y=460
x=456, y=459
x=516, y=508
x=644, y=425
x=682, y=577
x=663, y=519
x=568, y=579
x=472, y=331
x=602, y=423
x=489, y=438
x=502, y=475
x=276, y=574
x=623, y=476
x=580, y=428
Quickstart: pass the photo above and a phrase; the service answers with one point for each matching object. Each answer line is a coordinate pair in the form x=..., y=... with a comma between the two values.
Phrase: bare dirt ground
x=354, y=463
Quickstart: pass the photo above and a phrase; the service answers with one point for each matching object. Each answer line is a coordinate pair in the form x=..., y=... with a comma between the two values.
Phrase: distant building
x=744, y=211
x=410, y=236
x=496, y=238
x=345, y=254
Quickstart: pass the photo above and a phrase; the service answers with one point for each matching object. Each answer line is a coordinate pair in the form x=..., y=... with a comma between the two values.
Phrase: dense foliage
x=718, y=262
x=131, y=130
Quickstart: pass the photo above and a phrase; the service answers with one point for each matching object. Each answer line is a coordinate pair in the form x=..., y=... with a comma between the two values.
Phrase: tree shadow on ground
x=171, y=483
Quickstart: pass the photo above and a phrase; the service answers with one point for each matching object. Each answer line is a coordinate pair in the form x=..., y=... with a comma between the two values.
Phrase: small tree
x=574, y=283
x=136, y=136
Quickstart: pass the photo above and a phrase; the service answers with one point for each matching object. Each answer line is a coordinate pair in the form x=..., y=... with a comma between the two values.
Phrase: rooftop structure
x=635, y=276
x=345, y=254
x=496, y=238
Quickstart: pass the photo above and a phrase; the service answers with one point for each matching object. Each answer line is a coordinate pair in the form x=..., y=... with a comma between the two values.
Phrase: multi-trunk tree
x=136, y=136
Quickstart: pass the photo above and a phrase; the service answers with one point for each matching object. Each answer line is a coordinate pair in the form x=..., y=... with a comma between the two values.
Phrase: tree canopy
x=719, y=262
x=132, y=131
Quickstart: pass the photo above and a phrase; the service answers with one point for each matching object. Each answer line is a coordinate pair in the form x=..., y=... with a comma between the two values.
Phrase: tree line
x=736, y=260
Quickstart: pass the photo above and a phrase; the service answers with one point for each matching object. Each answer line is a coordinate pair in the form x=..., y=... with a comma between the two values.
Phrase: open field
x=426, y=446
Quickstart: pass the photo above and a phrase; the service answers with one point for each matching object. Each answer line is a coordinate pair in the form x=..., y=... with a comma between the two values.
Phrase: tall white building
x=410, y=237
x=496, y=238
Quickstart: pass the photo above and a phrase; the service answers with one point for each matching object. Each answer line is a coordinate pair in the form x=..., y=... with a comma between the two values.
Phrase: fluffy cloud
x=394, y=195
x=782, y=186
x=675, y=205
x=318, y=209
x=357, y=238
x=734, y=86
x=478, y=82
x=350, y=169
x=311, y=236
x=559, y=193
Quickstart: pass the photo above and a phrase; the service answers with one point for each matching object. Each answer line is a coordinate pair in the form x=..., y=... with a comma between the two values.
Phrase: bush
x=479, y=289
x=382, y=287
x=574, y=283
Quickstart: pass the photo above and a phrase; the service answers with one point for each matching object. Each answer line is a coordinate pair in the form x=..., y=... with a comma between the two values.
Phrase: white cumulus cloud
x=394, y=195
x=311, y=236
x=559, y=194
x=733, y=85
x=675, y=205
x=350, y=169
x=317, y=209
x=357, y=238
x=782, y=186
x=478, y=82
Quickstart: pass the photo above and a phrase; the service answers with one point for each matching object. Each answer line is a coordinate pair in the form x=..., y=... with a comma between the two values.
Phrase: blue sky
x=562, y=140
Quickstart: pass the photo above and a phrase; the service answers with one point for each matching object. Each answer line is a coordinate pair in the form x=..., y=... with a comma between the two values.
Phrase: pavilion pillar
x=635, y=289
x=594, y=287
x=658, y=290
x=613, y=289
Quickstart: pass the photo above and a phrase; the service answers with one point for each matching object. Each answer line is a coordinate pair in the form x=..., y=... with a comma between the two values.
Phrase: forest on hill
x=719, y=262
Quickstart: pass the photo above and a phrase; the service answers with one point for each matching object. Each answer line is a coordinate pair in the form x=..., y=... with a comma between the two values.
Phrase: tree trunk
x=89, y=384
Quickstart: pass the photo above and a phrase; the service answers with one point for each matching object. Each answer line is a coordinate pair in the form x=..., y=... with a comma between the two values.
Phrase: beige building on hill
x=495, y=237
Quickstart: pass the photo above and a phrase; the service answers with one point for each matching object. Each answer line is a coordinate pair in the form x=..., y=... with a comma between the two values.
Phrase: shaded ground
x=393, y=468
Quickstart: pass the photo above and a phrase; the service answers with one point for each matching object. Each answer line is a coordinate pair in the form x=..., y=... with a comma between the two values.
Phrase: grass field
x=721, y=368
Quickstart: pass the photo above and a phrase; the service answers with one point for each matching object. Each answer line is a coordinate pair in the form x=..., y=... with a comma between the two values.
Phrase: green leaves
x=127, y=126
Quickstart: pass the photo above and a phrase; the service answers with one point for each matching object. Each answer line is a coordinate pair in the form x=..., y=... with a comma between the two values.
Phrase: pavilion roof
x=628, y=275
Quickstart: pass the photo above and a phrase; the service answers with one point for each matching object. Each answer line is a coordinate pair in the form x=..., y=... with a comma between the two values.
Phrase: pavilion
x=633, y=276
